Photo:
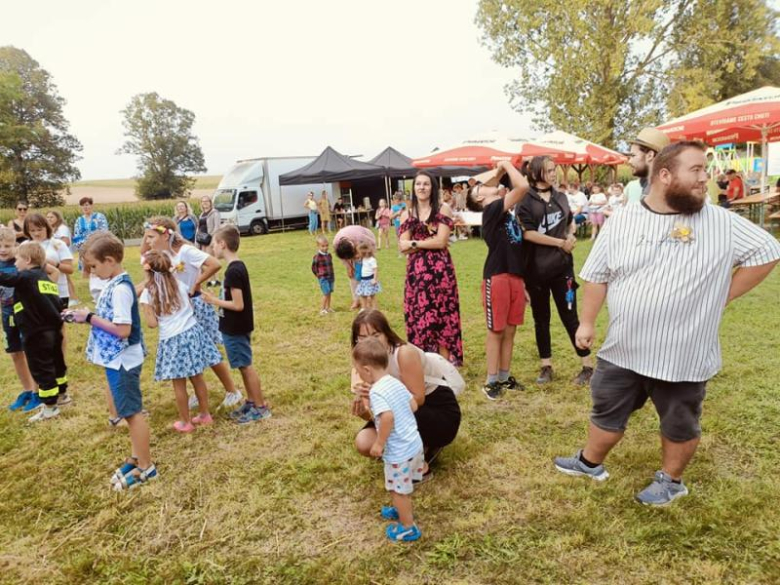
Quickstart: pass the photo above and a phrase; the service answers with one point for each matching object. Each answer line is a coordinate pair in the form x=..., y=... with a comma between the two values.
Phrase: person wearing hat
x=649, y=142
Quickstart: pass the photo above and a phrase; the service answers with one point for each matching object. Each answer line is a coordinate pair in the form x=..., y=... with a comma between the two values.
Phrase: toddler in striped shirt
x=398, y=441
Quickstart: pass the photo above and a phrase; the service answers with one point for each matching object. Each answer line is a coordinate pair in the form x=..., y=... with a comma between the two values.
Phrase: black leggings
x=539, y=291
x=47, y=364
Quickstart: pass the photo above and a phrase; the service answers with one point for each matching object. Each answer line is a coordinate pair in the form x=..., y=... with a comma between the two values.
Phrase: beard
x=641, y=172
x=681, y=198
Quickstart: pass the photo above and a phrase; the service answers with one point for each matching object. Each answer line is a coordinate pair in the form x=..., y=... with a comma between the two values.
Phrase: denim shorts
x=326, y=286
x=617, y=392
x=125, y=388
x=13, y=336
x=238, y=349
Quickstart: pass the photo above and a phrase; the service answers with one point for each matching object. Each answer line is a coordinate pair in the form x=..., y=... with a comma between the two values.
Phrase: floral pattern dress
x=431, y=305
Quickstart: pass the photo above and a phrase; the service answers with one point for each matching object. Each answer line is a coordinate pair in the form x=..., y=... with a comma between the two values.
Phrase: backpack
x=450, y=375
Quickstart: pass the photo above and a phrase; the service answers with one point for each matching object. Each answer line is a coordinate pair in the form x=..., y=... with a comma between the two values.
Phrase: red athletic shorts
x=503, y=298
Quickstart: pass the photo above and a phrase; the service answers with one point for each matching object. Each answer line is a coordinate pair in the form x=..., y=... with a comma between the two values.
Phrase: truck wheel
x=258, y=228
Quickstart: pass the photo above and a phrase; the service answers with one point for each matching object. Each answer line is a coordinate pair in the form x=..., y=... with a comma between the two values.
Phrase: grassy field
x=201, y=182
x=289, y=501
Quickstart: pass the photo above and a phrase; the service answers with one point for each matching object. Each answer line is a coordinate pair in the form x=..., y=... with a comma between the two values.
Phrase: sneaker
x=493, y=390
x=115, y=422
x=575, y=466
x=331, y=310
x=389, y=513
x=33, y=403
x=662, y=492
x=213, y=283
x=583, y=378
x=64, y=400
x=232, y=399
x=183, y=427
x=399, y=533
x=44, y=414
x=202, y=420
x=121, y=471
x=193, y=402
x=254, y=414
x=135, y=478
x=21, y=400
x=511, y=384
x=324, y=312
x=73, y=303
x=545, y=376
x=238, y=412
x=463, y=237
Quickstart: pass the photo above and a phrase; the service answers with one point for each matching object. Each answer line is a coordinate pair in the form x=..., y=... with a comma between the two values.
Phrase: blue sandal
x=128, y=466
x=399, y=533
x=389, y=513
x=136, y=477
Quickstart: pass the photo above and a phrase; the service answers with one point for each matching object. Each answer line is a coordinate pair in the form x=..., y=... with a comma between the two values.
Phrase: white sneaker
x=463, y=237
x=64, y=400
x=324, y=312
x=232, y=399
x=193, y=402
x=45, y=413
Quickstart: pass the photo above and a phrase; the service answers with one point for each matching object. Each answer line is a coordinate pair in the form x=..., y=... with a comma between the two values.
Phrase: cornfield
x=125, y=220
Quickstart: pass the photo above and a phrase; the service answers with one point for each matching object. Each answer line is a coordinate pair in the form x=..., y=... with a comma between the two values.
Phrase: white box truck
x=249, y=195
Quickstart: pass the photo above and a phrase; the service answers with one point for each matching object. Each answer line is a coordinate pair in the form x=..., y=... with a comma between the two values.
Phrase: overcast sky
x=269, y=78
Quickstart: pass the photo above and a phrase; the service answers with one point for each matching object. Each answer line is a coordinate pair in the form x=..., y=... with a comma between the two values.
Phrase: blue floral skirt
x=365, y=288
x=184, y=355
x=207, y=316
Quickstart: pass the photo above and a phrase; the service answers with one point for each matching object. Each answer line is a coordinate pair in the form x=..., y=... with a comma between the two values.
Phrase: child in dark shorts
x=322, y=268
x=36, y=312
x=236, y=323
x=28, y=398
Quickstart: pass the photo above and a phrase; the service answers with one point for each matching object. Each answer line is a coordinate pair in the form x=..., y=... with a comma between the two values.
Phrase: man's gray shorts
x=617, y=392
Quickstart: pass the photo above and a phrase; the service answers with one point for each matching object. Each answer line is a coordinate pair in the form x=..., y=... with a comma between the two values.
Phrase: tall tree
x=37, y=153
x=160, y=133
x=602, y=69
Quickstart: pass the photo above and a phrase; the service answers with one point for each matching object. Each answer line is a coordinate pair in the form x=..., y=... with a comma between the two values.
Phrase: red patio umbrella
x=489, y=149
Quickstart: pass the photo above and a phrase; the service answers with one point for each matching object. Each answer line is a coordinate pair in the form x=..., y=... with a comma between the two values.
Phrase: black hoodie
x=551, y=219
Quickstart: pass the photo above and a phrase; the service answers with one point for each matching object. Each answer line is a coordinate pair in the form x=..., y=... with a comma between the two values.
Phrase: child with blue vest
x=116, y=344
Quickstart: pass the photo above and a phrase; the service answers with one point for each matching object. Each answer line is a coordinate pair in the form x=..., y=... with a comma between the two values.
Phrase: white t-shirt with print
x=665, y=295
x=57, y=252
x=187, y=264
x=122, y=301
x=175, y=323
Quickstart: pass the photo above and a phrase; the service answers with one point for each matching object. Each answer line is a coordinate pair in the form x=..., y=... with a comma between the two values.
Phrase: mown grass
x=289, y=501
x=201, y=182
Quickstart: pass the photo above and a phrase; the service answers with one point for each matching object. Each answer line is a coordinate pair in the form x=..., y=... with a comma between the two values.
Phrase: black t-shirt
x=552, y=219
x=237, y=322
x=504, y=239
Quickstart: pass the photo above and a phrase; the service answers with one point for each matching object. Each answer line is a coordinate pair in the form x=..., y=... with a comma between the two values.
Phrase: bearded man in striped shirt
x=666, y=267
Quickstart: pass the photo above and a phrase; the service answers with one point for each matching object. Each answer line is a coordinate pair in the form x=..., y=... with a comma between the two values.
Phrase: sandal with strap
x=128, y=466
x=399, y=533
x=136, y=477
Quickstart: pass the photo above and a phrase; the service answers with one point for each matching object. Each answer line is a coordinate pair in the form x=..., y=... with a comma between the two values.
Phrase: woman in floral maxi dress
x=431, y=305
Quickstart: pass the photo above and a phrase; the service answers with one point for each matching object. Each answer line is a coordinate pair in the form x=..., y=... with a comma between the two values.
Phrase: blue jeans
x=313, y=216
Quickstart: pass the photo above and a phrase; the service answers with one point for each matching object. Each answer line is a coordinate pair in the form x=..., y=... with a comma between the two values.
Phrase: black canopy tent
x=396, y=166
x=332, y=167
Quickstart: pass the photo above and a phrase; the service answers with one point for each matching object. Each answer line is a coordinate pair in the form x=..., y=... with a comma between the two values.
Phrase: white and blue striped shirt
x=404, y=441
x=665, y=295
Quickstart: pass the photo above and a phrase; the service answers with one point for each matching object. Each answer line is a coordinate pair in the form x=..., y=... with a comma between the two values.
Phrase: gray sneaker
x=662, y=492
x=574, y=466
x=545, y=375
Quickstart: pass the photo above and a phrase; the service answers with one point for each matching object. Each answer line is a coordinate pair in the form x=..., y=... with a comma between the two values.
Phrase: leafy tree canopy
x=160, y=134
x=603, y=69
x=37, y=153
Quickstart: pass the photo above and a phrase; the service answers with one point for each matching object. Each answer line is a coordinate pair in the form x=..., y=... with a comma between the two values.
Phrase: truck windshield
x=224, y=200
